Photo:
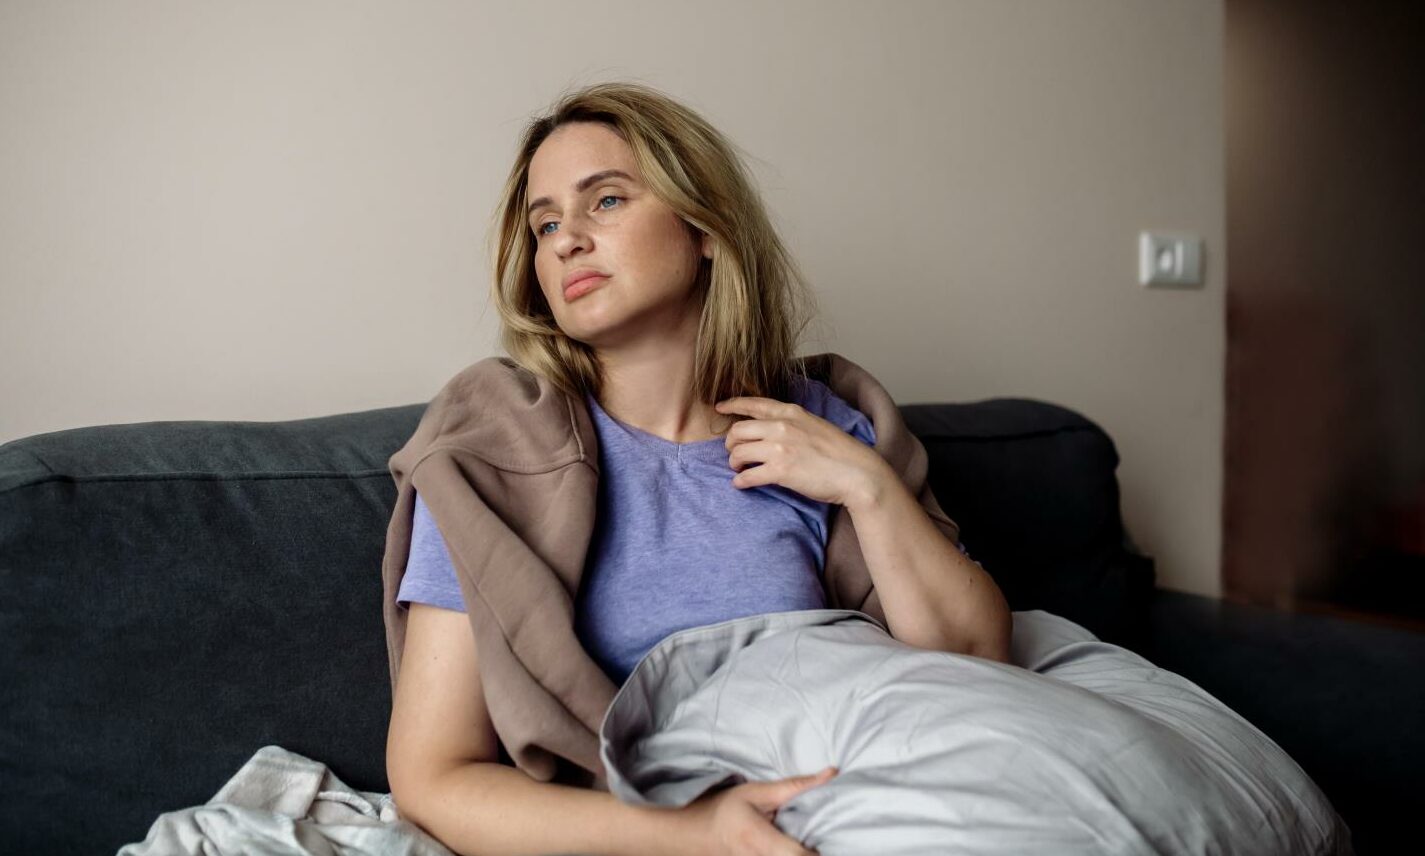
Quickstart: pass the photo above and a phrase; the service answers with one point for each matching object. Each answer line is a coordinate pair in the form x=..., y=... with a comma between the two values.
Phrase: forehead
x=572, y=152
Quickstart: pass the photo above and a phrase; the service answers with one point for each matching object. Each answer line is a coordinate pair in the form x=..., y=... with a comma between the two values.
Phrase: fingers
x=765, y=798
x=771, y=841
x=770, y=795
x=775, y=843
x=788, y=846
x=749, y=454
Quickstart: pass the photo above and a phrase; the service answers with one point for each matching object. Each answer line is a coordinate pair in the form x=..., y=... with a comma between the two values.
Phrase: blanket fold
x=283, y=804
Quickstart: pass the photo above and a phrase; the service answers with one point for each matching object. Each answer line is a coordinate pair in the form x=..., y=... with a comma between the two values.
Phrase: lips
x=577, y=274
x=582, y=284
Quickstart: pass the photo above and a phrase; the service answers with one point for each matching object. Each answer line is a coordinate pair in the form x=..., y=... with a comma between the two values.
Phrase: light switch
x=1169, y=258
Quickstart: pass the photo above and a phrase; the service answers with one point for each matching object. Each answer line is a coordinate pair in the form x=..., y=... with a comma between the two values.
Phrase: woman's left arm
x=933, y=595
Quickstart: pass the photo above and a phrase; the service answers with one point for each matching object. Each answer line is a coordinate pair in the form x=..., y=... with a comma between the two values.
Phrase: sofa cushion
x=178, y=594
x=1034, y=488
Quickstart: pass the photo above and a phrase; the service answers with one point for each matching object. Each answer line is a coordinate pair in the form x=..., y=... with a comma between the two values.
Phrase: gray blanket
x=1081, y=747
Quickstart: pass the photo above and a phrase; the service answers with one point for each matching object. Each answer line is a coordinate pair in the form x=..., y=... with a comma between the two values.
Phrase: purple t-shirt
x=675, y=544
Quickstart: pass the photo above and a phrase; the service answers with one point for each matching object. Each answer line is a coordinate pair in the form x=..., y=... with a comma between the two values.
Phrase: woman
x=662, y=297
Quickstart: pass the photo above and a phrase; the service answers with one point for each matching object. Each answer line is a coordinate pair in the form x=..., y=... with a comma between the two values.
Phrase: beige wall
x=274, y=211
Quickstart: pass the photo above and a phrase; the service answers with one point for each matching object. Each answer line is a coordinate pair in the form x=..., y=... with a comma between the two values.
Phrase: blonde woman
x=638, y=273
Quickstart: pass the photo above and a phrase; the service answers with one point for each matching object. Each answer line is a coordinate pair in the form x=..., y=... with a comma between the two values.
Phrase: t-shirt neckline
x=709, y=448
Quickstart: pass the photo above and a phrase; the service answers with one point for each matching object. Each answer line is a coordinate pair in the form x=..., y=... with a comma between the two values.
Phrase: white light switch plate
x=1169, y=258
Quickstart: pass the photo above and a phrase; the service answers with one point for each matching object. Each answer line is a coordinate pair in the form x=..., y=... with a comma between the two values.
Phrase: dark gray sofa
x=179, y=594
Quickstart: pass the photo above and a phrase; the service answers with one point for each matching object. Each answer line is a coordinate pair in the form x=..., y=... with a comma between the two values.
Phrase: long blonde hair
x=756, y=302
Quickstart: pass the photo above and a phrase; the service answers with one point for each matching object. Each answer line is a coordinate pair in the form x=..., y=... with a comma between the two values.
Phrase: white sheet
x=284, y=804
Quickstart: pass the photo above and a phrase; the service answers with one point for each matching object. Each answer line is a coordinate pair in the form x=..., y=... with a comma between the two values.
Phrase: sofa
x=180, y=593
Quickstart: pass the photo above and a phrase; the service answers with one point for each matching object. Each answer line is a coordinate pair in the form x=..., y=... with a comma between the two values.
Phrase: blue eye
x=539, y=230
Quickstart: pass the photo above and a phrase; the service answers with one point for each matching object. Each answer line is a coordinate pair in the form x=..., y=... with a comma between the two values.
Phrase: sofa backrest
x=179, y=594
x=1034, y=488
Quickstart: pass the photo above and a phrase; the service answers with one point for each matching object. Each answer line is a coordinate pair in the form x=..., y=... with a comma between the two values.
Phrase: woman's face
x=614, y=225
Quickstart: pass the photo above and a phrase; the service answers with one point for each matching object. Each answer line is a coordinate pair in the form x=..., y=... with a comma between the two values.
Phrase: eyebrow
x=584, y=184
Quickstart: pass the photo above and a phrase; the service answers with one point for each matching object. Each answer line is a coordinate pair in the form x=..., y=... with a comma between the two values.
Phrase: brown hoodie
x=509, y=466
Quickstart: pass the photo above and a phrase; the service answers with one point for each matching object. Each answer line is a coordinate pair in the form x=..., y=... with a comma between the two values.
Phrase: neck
x=650, y=386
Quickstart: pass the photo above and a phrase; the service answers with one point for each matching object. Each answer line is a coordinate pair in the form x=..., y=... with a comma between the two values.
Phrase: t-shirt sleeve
x=862, y=429
x=430, y=576
x=818, y=398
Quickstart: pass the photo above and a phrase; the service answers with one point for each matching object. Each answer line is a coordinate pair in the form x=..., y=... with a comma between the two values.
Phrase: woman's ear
x=707, y=245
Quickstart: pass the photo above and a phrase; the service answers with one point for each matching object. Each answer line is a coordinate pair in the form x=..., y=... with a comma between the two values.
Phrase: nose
x=573, y=233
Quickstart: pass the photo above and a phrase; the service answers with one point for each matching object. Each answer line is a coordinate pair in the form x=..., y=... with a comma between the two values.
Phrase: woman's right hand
x=737, y=821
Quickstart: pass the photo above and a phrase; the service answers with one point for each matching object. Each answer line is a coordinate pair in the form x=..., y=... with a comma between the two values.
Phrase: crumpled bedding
x=1079, y=747
x=283, y=804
